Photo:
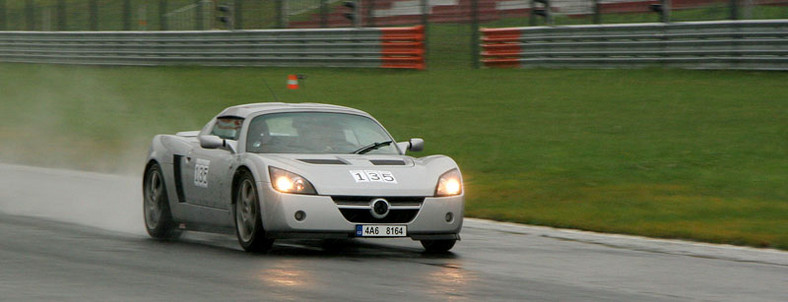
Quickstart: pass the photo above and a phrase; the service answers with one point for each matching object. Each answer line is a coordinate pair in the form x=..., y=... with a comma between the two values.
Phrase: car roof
x=247, y=110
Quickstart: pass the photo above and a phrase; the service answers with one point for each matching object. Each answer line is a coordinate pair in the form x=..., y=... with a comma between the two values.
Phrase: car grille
x=356, y=209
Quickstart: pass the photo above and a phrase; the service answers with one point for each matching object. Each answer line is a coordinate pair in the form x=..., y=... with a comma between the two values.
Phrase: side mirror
x=416, y=145
x=211, y=141
x=413, y=145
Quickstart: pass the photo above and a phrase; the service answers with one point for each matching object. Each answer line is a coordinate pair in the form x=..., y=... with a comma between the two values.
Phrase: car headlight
x=449, y=184
x=288, y=182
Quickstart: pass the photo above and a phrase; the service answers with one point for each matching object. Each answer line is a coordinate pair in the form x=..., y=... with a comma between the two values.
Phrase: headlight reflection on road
x=286, y=274
x=449, y=282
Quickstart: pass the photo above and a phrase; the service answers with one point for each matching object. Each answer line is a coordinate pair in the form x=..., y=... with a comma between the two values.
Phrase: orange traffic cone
x=292, y=81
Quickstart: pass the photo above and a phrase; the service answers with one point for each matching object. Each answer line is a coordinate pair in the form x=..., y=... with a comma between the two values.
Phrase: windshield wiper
x=373, y=146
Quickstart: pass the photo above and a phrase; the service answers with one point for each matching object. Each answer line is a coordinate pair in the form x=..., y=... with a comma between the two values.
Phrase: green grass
x=687, y=154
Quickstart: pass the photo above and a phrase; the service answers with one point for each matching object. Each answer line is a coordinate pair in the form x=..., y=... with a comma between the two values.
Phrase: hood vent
x=387, y=162
x=324, y=161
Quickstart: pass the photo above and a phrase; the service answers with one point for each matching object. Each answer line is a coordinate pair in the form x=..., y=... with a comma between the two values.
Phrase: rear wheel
x=248, y=221
x=438, y=246
x=156, y=206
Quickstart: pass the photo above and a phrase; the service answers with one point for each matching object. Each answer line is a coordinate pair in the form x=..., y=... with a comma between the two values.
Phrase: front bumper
x=323, y=217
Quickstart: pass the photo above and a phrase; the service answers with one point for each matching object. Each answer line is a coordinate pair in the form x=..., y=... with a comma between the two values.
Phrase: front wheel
x=248, y=221
x=156, y=206
x=438, y=246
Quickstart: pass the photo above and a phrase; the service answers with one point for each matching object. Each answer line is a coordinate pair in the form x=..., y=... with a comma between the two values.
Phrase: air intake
x=387, y=162
x=324, y=161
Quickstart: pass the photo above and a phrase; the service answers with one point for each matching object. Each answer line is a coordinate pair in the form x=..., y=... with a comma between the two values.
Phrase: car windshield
x=317, y=133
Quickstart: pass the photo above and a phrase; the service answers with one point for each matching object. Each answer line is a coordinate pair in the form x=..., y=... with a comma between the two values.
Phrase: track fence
x=451, y=25
x=393, y=47
x=713, y=45
x=140, y=15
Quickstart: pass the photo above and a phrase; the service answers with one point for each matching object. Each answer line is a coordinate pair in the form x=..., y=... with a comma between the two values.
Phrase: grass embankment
x=666, y=153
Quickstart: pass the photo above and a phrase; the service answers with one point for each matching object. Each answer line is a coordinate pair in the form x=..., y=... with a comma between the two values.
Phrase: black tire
x=156, y=206
x=438, y=246
x=246, y=211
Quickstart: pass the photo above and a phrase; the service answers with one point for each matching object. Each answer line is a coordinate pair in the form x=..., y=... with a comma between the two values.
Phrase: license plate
x=379, y=230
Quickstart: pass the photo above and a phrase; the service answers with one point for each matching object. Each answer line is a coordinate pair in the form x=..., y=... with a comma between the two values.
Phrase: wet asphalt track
x=75, y=236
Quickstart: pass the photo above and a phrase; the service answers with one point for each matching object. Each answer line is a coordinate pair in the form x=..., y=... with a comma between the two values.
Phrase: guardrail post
x=61, y=15
x=666, y=4
x=475, y=34
x=544, y=11
x=126, y=14
x=323, y=13
x=371, y=13
x=662, y=9
x=163, y=15
x=425, y=12
x=281, y=14
x=3, y=16
x=30, y=15
x=425, y=23
x=238, y=18
x=142, y=17
x=199, y=19
x=734, y=10
x=355, y=12
x=226, y=15
x=597, y=12
x=93, y=15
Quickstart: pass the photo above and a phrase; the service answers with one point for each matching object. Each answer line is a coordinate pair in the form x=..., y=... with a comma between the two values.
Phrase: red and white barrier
x=402, y=47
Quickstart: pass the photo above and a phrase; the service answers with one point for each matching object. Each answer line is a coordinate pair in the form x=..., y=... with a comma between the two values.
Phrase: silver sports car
x=274, y=170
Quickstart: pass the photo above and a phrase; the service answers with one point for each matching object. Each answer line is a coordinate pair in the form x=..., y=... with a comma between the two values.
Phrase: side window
x=227, y=127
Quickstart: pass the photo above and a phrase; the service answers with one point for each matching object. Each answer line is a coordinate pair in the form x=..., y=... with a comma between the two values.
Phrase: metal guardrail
x=711, y=45
x=400, y=47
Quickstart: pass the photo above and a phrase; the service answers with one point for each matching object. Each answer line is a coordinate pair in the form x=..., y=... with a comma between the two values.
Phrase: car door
x=207, y=172
x=207, y=176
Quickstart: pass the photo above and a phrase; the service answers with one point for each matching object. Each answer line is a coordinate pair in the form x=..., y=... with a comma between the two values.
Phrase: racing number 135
x=373, y=176
x=201, y=173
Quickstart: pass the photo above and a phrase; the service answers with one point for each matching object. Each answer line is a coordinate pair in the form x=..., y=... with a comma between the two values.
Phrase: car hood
x=365, y=175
